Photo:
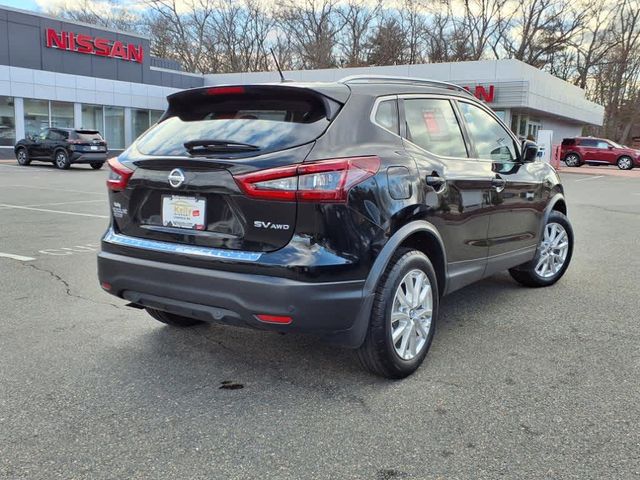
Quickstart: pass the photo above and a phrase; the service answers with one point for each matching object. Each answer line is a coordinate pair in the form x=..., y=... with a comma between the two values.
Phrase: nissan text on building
x=57, y=73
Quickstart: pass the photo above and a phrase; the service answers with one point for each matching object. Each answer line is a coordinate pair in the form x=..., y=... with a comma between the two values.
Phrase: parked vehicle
x=577, y=151
x=63, y=147
x=345, y=209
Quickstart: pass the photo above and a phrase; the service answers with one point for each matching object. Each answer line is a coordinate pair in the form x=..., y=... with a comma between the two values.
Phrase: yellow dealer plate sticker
x=183, y=212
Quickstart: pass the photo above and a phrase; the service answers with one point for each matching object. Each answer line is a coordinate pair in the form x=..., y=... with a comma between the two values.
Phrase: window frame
x=456, y=113
x=374, y=112
x=516, y=142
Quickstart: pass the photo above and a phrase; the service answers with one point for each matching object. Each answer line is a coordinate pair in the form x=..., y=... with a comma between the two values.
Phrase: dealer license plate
x=183, y=212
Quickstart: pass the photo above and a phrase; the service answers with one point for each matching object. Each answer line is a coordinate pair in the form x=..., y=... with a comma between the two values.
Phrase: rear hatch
x=186, y=183
x=87, y=141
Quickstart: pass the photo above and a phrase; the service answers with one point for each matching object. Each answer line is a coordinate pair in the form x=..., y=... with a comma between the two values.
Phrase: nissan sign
x=89, y=45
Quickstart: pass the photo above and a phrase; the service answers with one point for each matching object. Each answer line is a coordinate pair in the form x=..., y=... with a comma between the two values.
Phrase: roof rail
x=407, y=80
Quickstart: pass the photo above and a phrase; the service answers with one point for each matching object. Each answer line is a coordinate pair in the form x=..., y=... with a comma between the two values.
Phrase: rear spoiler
x=333, y=95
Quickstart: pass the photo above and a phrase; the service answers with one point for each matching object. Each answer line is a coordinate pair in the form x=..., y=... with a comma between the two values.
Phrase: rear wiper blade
x=220, y=146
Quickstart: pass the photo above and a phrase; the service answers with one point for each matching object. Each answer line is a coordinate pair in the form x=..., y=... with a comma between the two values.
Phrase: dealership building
x=70, y=74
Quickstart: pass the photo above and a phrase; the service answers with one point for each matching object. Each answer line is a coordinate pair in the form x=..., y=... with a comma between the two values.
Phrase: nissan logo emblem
x=176, y=177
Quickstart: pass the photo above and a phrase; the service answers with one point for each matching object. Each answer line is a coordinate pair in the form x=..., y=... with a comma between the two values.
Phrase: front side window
x=432, y=125
x=603, y=145
x=492, y=141
x=387, y=115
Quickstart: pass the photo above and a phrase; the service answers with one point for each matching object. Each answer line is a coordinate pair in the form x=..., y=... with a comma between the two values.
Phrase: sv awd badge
x=270, y=226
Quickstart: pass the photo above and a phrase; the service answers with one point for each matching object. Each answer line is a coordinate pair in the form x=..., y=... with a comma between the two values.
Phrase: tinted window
x=491, y=140
x=57, y=135
x=588, y=143
x=273, y=121
x=387, y=115
x=88, y=136
x=432, y=125
x=568, y=141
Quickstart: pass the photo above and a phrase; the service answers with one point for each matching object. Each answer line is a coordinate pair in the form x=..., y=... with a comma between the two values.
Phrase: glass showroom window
x=140, y=120
x=154, y=116
x=114, y=126
x=36, y=116
x=93, y=118
x=7, y=122
x=62, y=114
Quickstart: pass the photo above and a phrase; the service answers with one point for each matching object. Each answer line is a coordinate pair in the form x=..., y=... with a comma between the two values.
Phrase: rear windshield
x=569, y=141
x=267, y=121
x=87, y=136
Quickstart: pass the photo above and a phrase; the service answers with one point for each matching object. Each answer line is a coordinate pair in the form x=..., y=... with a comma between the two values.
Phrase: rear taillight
x=118, y=176
x=323, y=181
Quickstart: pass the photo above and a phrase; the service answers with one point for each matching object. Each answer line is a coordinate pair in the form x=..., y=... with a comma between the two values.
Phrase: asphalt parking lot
x=519, y=383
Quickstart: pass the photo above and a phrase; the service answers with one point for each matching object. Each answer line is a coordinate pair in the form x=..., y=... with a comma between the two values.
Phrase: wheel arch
x=419, y=235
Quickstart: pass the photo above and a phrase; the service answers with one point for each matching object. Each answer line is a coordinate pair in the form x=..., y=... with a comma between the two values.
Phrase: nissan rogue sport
x=345, y=210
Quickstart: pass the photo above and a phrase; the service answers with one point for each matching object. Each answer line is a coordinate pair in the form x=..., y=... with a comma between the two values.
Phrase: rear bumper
x=336, y=311
x=78, y=157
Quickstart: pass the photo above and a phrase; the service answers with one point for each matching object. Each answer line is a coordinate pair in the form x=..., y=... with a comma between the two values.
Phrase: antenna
x=282, y=79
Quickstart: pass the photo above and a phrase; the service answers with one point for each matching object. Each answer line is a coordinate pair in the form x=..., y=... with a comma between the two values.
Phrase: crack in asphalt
x=67, y=286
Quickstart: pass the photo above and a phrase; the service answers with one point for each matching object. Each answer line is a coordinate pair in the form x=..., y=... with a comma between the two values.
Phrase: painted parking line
x=589, y=178
x=66, y=251
x=13, y=256
x=66, y=190
x=47, y=210
x=65, y=203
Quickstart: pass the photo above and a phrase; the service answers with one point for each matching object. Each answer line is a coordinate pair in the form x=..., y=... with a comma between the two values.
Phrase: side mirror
x=529, y=151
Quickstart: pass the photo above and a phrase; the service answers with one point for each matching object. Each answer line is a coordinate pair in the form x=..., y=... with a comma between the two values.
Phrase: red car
x=580, y=150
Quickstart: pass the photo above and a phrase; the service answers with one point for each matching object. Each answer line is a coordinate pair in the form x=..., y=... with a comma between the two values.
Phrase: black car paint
x=44, y=149
x=337, y=246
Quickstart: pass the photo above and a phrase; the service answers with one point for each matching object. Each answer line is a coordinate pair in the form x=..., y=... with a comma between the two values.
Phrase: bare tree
x=104, y=13
x=312, y=26
x=485, y=21
x=357, y=19
x=540, y=28
x=387, y=44
x=187, y=28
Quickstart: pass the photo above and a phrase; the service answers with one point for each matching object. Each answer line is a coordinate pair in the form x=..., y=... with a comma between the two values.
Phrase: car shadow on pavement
x=244, y=356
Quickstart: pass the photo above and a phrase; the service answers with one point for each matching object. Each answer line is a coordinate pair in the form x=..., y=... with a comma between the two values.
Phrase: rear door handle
x=498, y=183
x=436, y=182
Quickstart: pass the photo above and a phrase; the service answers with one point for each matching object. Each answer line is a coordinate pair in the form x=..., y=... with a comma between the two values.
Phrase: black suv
x=344, y=209
x=62, y=147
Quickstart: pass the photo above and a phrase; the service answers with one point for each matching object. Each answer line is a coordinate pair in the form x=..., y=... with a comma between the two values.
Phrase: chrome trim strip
x=166, y=247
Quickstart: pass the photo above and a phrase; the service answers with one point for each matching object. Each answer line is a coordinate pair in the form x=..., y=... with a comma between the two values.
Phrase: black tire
x=526, y=274
x=378, y=354
x=61, y=159
x=22, y=156
x=97, y=165
x=572, y=160
x=625, y=163
x=172, y=319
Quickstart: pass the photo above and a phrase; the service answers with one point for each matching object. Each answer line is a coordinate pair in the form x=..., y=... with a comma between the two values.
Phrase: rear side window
x=387, y=115
x=588, y=143
x=266, y=120
x=491, y=139
x=568, y=142
x=432, y=125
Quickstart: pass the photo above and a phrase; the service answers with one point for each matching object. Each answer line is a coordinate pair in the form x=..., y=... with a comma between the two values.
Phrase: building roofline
x=75, y=22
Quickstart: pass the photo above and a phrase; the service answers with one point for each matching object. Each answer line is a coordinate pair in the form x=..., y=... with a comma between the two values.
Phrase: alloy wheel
x=624, y=163
x=553, y=250
x=572, y=160
x=411, y=314
x=22, y=156
x=61, y=160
